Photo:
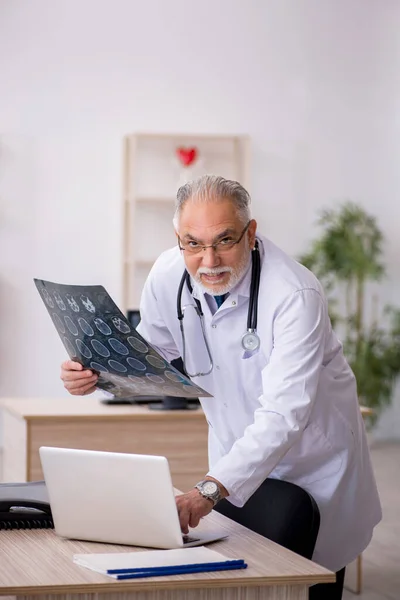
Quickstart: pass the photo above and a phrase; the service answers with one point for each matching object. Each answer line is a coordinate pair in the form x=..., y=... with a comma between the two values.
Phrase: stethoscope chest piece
x=250, y=341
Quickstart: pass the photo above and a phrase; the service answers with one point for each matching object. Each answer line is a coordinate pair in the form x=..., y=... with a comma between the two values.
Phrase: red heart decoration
x=187, y=156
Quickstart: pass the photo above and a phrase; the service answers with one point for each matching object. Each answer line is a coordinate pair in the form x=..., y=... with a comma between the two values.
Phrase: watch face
x=210, y=487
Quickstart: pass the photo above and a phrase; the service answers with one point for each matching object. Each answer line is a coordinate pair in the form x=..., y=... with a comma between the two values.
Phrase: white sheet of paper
x=101, y=563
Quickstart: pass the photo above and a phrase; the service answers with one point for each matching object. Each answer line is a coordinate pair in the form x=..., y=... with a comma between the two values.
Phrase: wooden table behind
x=85, y=423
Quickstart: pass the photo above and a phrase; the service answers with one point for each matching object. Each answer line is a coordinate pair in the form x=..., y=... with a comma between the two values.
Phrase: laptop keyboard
x=187, y=539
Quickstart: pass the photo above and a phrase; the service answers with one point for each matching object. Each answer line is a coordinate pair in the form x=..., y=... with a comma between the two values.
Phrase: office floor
x=381, y=560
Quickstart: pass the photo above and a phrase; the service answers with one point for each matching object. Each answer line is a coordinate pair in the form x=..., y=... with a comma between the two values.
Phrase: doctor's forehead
x=208, y=217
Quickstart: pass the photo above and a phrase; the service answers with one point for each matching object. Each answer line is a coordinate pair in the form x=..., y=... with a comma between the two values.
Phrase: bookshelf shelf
x=152, y=175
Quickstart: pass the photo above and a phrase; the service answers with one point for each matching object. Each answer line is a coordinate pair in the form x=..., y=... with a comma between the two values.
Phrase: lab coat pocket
x=250, y=353
x=251, y=368
x=311, y=459
x=254, y=358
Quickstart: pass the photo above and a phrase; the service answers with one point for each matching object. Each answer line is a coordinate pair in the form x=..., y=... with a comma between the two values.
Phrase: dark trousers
x=287, y=514
x=328, y=591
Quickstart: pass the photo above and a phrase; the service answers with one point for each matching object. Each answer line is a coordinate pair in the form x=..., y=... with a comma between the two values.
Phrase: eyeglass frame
x=214, y=246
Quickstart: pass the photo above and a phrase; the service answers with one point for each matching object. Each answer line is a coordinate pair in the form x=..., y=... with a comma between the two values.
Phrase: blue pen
x=179, y=571
x=236, y=562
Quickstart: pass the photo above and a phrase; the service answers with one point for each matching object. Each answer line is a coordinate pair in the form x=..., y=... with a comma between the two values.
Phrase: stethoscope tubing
x=252, y=314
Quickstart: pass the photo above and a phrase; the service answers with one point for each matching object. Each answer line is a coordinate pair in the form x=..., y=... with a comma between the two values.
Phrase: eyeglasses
x=220, y=247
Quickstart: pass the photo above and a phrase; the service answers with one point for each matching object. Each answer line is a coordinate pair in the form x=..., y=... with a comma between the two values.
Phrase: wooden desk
x=39, y=564
x=366, y=411
x=85, y=423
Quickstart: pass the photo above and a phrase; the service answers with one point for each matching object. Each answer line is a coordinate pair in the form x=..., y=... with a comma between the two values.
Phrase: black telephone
x=25, y=506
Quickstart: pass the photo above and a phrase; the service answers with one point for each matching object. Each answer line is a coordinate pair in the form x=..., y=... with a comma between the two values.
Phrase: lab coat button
x=217, y=367
x=214, y=326
x=233, y=303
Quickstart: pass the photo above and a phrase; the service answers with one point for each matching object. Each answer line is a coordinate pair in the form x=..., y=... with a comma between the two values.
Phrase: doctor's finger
x=184, y=516
x=82, y=391
x=194, y=519
x=185, y=528
x=75, y=386
x=82, y=376
x=71, y=365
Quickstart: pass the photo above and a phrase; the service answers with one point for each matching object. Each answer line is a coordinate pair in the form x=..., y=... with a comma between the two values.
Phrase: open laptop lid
x=114, y=497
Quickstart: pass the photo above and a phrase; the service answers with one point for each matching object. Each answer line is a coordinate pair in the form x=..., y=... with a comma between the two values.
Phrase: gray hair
x=213, y=188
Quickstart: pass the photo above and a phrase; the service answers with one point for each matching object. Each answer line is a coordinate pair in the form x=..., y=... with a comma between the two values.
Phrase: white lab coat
x=289, y=410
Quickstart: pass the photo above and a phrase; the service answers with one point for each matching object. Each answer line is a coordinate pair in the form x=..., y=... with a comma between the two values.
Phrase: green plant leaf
x=347, y=255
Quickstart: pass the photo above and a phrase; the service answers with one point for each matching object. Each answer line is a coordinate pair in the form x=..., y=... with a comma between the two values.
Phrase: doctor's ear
x=251, y=233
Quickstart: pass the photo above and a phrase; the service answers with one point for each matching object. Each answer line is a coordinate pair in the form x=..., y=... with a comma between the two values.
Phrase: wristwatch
x=210, y=490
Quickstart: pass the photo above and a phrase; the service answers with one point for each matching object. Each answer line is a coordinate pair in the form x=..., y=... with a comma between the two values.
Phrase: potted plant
x=347, y=258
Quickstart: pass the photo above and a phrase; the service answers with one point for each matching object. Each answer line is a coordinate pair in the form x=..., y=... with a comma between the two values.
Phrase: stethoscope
x=250, y=339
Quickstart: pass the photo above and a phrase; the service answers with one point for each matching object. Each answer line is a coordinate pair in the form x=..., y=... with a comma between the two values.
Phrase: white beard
x=222, y=289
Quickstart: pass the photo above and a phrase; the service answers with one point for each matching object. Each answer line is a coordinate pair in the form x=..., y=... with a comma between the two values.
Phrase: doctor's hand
x=192, y=506
x=78, y=380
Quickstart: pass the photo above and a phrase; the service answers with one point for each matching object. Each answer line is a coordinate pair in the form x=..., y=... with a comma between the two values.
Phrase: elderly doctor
x=284, y=399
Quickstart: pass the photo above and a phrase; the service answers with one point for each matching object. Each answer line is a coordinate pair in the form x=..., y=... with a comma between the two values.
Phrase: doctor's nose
x=210, y=258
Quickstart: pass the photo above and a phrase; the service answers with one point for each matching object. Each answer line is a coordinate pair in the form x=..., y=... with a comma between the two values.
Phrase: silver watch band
x=214, y=497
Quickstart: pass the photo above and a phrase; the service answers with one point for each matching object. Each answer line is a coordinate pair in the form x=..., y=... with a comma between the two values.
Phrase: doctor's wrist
x=211, y=489
x=224, y=492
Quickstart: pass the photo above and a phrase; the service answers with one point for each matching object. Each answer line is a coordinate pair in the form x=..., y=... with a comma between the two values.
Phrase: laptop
x=116, y=498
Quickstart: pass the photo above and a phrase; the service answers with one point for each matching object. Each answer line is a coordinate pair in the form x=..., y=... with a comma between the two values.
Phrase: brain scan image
x=83, y=349
x=47, y=298
x=72, y=302
x=120, y=325
x=153, y=391
x=100, y=348
x=117, y=390
x=59, y=301
x=117, y=366
x=118, y=382
x=155, y=378
x=103, y=384
x=58, y=323
x=71, y=325
x=98, y=367
x=192, y=389
x=96, y=333
x=118, y=346
x=173, y=376
x=133, y=387
x=136, y=380
x=169, y=390
x=155, y=361
x=88, y=304
x=114, y=378
x=137, y=345
x=186, y=387
x=141, y=385
x=102, y=326
x=136, y=364
x=70, y=349
x=86, y=328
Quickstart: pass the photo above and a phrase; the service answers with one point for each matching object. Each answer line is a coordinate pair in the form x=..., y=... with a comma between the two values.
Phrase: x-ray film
x=96, y=334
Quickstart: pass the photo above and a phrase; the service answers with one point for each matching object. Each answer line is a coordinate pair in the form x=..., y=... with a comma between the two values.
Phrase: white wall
x=314, y=82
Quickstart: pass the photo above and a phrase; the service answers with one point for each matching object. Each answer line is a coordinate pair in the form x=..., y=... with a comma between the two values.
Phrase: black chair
x=280, y=511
